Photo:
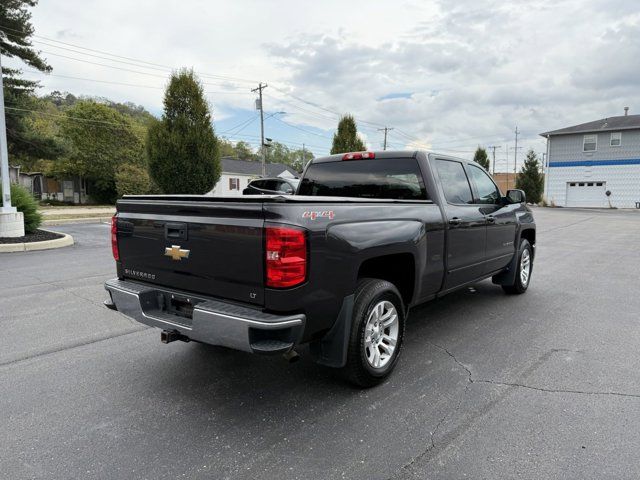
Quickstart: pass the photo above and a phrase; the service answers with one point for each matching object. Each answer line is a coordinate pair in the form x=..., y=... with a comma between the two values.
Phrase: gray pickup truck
x=337, y=266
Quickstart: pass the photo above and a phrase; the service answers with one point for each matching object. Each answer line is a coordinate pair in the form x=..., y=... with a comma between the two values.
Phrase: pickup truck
x=336, y=266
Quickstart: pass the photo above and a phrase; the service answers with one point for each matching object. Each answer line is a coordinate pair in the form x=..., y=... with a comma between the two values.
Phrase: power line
x=301, y=129
x=223, y=77
x=125, y=84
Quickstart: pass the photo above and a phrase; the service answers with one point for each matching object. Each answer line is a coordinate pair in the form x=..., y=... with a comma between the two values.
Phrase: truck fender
x=508, y=275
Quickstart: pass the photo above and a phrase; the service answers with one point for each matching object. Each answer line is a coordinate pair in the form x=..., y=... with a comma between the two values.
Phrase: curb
x=65, y=221
x=65, y=241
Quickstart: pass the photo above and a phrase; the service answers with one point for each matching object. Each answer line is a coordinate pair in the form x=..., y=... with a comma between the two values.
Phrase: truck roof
x=338, y=157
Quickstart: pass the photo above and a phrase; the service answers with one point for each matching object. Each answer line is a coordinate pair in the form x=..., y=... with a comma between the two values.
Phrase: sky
x=444, y=75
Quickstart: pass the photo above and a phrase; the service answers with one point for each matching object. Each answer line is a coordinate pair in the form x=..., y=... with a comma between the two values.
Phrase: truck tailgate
x=202, y=247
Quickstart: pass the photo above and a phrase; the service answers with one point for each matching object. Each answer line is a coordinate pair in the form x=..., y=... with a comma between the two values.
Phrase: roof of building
x=247, y=167
x=623, y=122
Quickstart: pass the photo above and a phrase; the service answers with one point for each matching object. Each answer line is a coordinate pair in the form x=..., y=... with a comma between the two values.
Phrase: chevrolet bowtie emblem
x=176, y=253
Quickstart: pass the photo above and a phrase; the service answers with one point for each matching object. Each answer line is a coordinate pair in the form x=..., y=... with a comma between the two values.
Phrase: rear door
x=466, y=233
x=212, y=248
x=501, y=220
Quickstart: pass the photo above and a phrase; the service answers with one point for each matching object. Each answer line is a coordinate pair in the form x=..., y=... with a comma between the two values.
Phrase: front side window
x=488, y=193
x=392, y=178
x=589, y=143
x=616, y=139
x=454, y=182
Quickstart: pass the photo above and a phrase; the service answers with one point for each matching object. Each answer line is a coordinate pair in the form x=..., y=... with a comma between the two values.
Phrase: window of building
x=616, y=139
x=589, y=143
x=454, y=182
x=234, y=184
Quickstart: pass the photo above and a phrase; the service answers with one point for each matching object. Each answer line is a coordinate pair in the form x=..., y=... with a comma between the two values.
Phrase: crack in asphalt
x=470, y=380
x=61, y=348
x=566, y=226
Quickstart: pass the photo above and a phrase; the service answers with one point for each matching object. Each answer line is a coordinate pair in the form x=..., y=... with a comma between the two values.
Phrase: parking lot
x=543, y=385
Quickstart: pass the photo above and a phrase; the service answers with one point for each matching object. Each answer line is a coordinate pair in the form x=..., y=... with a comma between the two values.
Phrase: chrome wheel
x=525, y=267
x=381, y=334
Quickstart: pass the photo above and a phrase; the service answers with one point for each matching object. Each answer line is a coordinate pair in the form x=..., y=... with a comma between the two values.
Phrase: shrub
x=132, y=179
x=25, y=203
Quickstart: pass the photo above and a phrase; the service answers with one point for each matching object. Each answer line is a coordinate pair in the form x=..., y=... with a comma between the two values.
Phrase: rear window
x=394, y=178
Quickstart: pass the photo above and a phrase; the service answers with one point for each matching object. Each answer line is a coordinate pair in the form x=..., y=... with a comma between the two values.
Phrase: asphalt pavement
x=542, y=385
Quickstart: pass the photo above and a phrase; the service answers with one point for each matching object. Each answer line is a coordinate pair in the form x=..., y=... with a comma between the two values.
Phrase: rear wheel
x=377, y=331
x=523, y=274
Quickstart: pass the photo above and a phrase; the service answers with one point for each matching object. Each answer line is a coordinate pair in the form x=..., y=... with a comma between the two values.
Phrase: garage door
x=586, y=194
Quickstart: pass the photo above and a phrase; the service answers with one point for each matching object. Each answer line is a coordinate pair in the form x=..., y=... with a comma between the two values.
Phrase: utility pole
x=493, y=147
x=259, y=89
x=386, y=129
x=515, y=153
x=11, y=221
x=304, y=156
x=4, y=153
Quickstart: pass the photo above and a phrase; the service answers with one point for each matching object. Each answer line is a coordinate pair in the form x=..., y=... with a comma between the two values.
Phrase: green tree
x=23, y=142
x=481, y=158
x=15, y=22
x=226, y=148
x=243, y=151
x=531, y=179
x=346, y=137
x=100, y=139
x=182, y=148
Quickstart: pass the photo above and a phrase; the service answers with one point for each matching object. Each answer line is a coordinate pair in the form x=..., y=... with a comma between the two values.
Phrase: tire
x=370, y=331
x=525, y=264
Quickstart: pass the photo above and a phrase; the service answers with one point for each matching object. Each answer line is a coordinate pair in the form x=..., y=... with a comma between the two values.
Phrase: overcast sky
x=448, y=75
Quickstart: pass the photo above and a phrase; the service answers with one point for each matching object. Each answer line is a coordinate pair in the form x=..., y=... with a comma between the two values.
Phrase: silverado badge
x=176, y=253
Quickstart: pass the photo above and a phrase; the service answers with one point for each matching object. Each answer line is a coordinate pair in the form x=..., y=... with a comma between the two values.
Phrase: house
x=595, y=164
x=236, y=175
x=71, y=190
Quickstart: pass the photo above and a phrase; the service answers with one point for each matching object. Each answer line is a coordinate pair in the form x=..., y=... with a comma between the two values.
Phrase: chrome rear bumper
x=205, y=319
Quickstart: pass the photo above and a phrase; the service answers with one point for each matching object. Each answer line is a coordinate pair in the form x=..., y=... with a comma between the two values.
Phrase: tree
x=531, y=179
x=15, y=21
x=481, y=158
x=244, y=151
x=15, y=42
x=100, y=140
x=182, y=148
x=346, y=137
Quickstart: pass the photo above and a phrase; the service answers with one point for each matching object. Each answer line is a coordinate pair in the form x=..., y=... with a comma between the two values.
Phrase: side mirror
x=516, y=196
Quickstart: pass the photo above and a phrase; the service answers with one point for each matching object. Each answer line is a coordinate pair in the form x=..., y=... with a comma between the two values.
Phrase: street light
x=11, y=221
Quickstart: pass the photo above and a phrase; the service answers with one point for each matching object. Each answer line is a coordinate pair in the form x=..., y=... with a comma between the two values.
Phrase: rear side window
x=454, y=182
x=394, y=178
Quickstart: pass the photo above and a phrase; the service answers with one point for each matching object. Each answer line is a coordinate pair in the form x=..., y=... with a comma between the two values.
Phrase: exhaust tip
x=168, y=336
x=291, y=356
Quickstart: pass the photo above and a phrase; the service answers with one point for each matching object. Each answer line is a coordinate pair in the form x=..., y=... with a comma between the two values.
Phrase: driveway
x=543, y=385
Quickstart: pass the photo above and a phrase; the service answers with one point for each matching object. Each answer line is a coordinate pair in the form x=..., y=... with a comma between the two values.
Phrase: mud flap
x=331, y=350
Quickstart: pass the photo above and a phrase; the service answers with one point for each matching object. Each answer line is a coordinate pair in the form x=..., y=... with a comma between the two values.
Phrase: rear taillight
x=286, y=257
x=358, y=156
x=114, y=238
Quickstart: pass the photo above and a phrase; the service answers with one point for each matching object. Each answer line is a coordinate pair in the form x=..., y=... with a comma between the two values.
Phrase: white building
x=595, y=164
x=236, y=175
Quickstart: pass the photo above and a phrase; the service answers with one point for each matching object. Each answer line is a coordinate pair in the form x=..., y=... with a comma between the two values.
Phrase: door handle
x=455, y=221
x=490, y=219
